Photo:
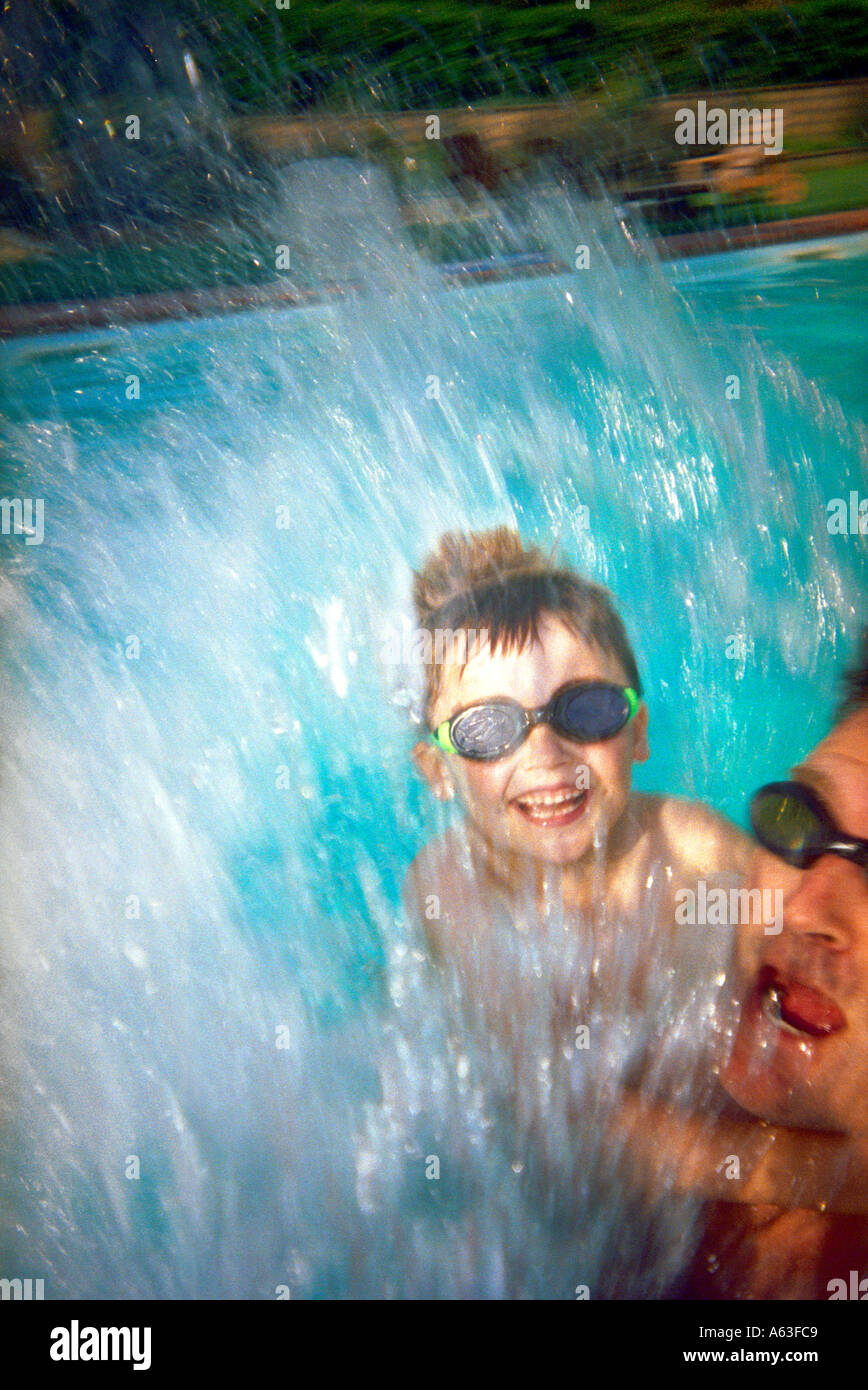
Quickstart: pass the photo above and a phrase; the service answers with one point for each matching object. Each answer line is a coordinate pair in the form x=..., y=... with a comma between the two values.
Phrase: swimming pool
x=227, y=1069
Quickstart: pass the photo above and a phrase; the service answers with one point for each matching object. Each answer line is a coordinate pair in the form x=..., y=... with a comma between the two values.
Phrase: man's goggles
x=790, y=820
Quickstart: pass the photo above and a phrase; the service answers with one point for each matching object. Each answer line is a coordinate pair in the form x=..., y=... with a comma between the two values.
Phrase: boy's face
x=548, y=797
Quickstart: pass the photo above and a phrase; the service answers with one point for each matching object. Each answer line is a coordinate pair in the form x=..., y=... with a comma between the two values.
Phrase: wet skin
x=533, y=839
x=801, y=1050
x=532, y=804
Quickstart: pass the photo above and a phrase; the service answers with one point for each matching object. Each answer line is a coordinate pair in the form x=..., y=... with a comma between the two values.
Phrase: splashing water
x=226, y=1067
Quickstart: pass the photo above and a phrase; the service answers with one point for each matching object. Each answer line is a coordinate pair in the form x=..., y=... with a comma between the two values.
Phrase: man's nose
x=820, y=902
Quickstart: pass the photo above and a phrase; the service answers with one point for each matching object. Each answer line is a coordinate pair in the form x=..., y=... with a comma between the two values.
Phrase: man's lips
x=548, y=806
x=780, y=1066
x=797, y=1007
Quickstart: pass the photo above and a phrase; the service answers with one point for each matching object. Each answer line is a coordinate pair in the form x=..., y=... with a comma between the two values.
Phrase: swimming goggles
x=588, y=712
x=790, y=820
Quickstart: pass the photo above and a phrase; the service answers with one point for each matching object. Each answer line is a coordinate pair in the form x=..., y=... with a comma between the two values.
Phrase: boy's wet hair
x=490, y=582
x=855, y=682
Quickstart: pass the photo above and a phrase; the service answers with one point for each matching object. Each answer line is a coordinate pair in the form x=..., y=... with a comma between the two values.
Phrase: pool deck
x=765, y=234
x=22, y=320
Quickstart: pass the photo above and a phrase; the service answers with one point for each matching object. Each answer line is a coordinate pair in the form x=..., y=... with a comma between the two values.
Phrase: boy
x=535, y=734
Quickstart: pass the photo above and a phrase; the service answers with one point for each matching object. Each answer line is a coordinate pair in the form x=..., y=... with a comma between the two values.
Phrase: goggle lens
x=785, y=822
x=487, y=731
x=597, y=712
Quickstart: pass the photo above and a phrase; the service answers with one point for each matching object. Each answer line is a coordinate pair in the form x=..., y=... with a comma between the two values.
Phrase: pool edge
x=60, y=316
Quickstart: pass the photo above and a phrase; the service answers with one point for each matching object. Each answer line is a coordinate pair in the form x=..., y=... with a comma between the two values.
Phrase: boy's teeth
x=550, y=798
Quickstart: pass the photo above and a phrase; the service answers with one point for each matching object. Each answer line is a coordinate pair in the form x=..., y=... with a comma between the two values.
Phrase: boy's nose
x=545, y=743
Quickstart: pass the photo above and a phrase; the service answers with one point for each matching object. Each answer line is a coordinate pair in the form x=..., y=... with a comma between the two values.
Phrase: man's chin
x=760, y=1096
x=767, y=1088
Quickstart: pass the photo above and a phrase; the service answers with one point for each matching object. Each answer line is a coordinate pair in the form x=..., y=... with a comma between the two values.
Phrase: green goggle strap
x=440, y=736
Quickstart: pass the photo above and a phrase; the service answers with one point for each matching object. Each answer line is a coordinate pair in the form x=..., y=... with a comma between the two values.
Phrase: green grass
x=841, y=189
x=833, y=190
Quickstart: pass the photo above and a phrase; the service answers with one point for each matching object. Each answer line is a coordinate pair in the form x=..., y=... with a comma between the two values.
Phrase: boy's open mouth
x=554, y=806
x=798, y=1008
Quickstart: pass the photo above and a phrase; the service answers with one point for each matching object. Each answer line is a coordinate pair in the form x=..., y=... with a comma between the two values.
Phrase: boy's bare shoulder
x=440, y=859
x=697, y=837
x=439, y=888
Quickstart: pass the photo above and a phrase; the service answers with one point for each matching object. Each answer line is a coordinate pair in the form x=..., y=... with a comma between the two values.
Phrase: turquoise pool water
x=209, y=803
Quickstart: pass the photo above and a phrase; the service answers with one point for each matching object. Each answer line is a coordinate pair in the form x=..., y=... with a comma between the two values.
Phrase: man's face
x=801, y=1050
x=547, y=798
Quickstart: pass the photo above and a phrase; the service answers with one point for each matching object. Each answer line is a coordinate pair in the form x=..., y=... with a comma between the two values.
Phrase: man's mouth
x=798, y=1008
x=554, y=806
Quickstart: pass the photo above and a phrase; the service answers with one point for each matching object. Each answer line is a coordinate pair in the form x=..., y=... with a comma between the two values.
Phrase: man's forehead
x=838, y=767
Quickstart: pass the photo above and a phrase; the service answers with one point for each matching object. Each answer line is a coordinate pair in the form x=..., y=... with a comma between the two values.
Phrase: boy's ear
x=431, y=764
x=641, y=751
